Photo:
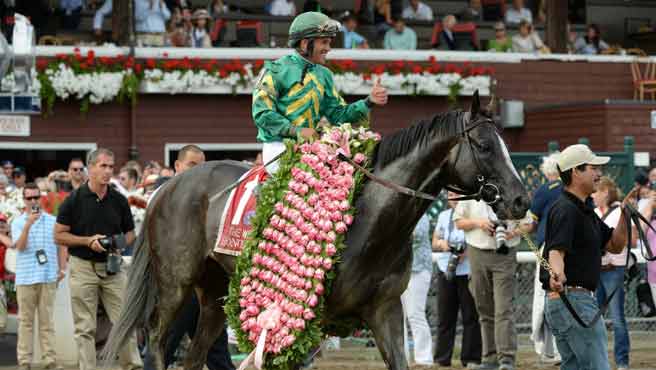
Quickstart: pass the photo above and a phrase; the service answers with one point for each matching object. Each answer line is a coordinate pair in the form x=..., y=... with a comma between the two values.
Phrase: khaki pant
x=86, y=287
x=492, y=284
x=3, y=307
x=31, y=299
x=150, y=39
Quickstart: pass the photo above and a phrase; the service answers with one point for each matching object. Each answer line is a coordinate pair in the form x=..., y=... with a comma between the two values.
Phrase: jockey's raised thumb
x=377, y=82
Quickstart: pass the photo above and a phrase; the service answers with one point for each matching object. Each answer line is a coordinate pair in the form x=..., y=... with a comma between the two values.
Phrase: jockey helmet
x=310, y=25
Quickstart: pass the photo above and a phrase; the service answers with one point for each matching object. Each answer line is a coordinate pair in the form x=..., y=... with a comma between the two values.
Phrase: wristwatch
x=369, y=103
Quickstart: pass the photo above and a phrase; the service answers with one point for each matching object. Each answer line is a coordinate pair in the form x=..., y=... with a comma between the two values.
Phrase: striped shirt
x=41, y=236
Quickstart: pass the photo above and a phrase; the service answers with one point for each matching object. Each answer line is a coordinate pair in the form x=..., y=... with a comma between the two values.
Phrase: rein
x=488, y=192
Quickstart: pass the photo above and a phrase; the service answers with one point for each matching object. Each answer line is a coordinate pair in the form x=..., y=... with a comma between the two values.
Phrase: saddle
x=235, y=221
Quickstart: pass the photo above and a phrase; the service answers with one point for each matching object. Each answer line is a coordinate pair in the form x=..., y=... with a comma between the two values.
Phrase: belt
x=609, y=267
x=568, y=289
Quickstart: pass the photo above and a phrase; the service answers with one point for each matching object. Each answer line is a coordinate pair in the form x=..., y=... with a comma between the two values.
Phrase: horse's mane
x=407, y=139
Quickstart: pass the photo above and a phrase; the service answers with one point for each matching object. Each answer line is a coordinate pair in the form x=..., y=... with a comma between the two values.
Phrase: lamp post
x=21, y=99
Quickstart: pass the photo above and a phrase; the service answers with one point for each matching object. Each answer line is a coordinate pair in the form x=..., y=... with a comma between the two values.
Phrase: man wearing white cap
x=574, y=243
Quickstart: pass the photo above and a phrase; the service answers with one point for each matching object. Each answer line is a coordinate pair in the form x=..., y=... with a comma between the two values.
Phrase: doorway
x=39, y=159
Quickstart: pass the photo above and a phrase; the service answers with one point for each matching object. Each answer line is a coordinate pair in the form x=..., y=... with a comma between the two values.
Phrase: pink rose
x=243, y=316
x=359, y=158
x=312, y=300
x=331, y=249
x=243, y=303
x=348, y=219
x=340, y=227
x=319, y=274
x=319, y=289
x=308, y=314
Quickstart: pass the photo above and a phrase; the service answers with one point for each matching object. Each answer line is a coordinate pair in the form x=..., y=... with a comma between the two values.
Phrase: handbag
x=10, y=260
x=645, y=299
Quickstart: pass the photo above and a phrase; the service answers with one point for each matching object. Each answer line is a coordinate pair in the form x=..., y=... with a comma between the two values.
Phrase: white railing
x=337, y=54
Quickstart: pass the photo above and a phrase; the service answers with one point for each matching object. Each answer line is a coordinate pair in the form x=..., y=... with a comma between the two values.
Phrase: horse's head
x=480, y=162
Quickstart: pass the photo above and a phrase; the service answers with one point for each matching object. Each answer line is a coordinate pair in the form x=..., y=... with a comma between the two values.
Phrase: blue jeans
x=611, y=280
x=580, y=348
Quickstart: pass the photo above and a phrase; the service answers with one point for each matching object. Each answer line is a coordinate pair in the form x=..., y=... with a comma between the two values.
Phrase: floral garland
x=96, y=80
x=285, y=269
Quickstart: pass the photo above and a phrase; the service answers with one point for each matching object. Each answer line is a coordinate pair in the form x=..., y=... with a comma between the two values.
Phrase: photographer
x=493, y=259
x=95, y=222
x=453, y=293
x=40, y=264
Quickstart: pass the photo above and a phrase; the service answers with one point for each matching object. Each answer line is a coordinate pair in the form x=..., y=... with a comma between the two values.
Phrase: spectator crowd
x=202, y=24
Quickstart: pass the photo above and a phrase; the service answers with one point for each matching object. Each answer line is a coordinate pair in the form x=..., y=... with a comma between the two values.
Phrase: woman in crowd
x=453, y=294
x=591, y=43
x=607, y=202
x=414, y=297
x=527, y=40
x=383, y=16
x=217, y=8
x=199, y=36
x=501, y=41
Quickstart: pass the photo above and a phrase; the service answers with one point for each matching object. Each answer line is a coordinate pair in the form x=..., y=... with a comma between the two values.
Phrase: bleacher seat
x=249, y=34
x=464, y=34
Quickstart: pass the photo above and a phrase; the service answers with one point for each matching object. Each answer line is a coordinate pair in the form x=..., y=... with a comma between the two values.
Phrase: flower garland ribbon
x=276, y=296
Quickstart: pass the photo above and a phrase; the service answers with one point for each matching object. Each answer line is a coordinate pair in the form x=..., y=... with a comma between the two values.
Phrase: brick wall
x=226, y=119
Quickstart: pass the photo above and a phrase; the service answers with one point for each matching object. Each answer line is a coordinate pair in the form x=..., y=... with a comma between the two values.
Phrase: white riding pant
x=270, y=151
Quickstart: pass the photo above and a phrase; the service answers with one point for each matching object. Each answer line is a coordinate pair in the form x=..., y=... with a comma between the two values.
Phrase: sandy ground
x=356, y=356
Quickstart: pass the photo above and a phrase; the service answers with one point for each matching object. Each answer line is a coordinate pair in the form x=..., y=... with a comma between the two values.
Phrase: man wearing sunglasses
x=76, y=172
x=39, y=266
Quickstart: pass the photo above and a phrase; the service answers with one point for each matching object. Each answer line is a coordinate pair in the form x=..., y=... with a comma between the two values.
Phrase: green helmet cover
x=311, y=25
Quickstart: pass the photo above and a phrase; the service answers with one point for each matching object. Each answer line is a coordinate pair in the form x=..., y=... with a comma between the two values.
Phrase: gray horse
x=174, y=255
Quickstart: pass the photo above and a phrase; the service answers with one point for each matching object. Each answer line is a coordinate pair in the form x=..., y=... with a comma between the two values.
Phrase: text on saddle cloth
x=235, y=224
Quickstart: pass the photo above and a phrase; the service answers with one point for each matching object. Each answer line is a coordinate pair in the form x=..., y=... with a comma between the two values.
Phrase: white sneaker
x=622, y=368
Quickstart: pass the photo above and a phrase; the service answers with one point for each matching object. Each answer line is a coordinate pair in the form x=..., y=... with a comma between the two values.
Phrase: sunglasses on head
x=33, y=198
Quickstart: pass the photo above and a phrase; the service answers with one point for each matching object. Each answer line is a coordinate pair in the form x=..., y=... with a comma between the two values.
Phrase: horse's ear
x=491, y=108
x=476, y=104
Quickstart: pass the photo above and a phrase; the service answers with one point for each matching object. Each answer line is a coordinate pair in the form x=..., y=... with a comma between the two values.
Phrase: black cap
x=7, y=162
x=18, y=171
x=347, y=16
x=641, y=177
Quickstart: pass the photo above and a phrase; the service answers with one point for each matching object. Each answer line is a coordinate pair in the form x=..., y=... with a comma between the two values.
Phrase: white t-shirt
x=424, y=12
x=283, y=7
x=612, y=220
x=478, y=238
x=513, y=16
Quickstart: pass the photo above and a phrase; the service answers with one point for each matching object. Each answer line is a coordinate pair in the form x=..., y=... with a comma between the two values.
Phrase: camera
x=456, y=251
x=652, y=185
x=36, y=208
x=114, y=245
x=500, y=231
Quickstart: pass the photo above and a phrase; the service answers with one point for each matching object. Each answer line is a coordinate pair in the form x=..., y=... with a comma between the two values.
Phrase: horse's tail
x=139, y=300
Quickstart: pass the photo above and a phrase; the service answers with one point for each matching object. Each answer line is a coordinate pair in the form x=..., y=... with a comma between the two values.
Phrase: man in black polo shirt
x=90, y=213
x=574, y=243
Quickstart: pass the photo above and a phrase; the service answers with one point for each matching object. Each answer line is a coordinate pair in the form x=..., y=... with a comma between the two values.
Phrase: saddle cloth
x=235, y=223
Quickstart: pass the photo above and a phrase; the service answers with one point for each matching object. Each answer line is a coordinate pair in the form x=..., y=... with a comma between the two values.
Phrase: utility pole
x=556, y=25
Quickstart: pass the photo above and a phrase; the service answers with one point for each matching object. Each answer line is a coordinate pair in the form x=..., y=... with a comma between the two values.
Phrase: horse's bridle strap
x=388, y=184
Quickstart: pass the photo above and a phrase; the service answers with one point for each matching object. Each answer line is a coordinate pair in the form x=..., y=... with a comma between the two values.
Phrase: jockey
x=294, y=92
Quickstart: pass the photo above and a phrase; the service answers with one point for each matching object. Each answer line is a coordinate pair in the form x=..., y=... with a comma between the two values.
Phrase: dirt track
x=354, y=356
x=358, y=357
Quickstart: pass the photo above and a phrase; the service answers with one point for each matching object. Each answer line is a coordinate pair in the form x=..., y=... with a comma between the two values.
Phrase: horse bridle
x=487, y=191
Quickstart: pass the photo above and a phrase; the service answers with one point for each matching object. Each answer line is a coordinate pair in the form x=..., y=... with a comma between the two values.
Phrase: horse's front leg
x=386, y=322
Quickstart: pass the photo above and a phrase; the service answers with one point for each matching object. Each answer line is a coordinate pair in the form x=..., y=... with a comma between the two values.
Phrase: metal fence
x=523, y=301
